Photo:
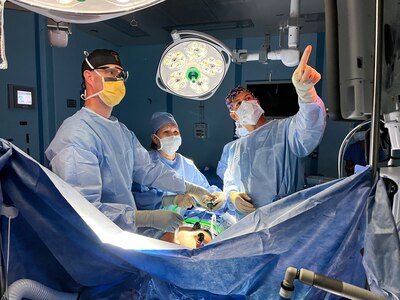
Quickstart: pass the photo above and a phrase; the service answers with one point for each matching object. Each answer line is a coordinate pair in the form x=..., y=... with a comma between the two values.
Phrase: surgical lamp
x=194, y=64
x=81, y=11
x=71, y=11
x=3, y=59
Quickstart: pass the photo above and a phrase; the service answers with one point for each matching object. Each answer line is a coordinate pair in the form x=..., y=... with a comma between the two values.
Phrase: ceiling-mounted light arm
x=290, y=57
x=3, y=59
x=177, y=35
x=194, y=64
x=59, y=25
x=294, y=29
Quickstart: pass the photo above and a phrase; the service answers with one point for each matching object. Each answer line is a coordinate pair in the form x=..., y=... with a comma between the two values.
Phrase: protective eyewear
x=111, y=72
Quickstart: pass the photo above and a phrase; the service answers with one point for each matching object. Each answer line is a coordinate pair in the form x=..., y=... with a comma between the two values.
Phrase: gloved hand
x=241, y=201
x=182, y=200
x=305, y=77
x=218, y=201
x=160, y=219
x=201, y=194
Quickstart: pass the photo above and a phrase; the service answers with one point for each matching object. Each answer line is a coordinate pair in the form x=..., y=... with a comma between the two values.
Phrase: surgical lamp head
x=82, y=12
x=193, y=66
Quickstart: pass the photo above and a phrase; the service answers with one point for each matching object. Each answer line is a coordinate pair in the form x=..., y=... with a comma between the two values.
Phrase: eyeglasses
x=111, y=73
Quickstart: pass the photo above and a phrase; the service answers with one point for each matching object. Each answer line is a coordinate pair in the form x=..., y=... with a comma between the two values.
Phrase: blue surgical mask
x=240, y=131
x=170, y=144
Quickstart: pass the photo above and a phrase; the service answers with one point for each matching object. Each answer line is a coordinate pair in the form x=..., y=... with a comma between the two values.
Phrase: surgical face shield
x=170, y=144
x=249, y=112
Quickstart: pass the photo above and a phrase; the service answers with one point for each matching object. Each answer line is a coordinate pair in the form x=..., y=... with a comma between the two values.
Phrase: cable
x=344, y=144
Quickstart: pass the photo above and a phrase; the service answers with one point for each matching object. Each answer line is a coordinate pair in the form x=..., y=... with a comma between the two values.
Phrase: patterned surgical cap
x=233, y=93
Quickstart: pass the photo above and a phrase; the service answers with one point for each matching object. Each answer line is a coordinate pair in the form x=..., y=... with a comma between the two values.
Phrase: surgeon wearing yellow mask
x=103, y=80
x=101, y=158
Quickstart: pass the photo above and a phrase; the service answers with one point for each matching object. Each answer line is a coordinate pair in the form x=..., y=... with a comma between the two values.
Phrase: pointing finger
x=304, y=58
x=306, y=75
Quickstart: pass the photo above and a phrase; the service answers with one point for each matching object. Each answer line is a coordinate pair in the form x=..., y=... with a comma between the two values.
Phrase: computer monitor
x=21, y=96
x=277, y=98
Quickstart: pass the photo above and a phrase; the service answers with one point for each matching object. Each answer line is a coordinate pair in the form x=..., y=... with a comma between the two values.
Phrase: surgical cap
x=101, y=57
x=233, y=93
x=159, y=119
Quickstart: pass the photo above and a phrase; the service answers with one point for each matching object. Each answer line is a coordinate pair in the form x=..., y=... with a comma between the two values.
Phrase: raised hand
x=305, y=77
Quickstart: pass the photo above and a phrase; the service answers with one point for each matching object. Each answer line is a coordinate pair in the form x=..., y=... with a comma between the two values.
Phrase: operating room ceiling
x=223, y=19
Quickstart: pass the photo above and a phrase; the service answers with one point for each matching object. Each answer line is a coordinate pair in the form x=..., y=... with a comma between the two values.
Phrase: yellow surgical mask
x=113, y=91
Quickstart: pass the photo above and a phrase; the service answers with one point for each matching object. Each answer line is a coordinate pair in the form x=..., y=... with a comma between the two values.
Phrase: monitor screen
x=277, y=98
x=24, y=97
x=21, y=96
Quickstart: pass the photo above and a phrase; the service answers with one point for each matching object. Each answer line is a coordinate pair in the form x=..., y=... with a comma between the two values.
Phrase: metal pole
x=373, y=153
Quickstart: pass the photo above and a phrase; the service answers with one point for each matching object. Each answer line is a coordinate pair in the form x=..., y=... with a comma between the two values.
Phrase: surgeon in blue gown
x=267, y=164
x=227, y=151
x=101, y=158
x=165, y=142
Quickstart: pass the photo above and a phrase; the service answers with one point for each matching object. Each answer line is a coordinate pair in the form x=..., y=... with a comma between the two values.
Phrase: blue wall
x=55, y=72
x=21, y=56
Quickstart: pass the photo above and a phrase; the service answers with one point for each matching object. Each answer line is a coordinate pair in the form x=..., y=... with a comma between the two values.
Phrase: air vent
x=314, y=17
x=117, y=31
x=213, y=26
x=125, y=27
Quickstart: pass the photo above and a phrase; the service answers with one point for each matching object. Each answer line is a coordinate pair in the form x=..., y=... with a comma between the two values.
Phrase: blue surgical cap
x=159, y=119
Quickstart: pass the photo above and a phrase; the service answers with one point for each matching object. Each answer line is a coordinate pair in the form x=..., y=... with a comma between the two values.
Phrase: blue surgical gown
x=267, y=164
x=101, y=158
x=150, y=198
x=223, y=161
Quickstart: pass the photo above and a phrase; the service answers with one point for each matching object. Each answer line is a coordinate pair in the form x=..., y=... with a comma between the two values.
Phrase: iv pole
x=373, y=154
